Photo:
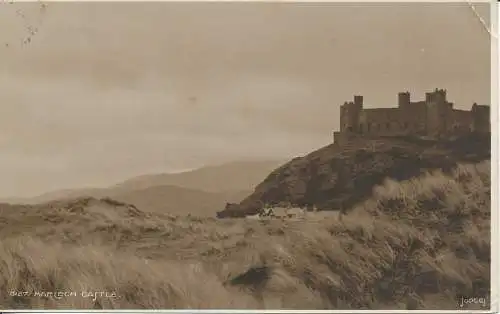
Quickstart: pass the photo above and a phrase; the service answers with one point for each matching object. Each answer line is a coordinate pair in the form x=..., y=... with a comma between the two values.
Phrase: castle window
x=388, y=125
x=361, y=128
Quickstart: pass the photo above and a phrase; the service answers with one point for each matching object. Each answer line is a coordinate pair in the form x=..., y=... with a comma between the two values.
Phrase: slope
x=337, y=177
x=390, y=252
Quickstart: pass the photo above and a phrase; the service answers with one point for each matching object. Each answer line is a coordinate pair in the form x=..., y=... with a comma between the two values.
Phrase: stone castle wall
x=433, y=117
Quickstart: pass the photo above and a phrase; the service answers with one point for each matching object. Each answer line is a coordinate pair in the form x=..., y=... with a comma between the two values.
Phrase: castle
x=434, y=117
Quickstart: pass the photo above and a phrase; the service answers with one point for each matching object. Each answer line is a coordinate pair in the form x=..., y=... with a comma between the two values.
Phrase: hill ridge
x=337, y=177
x=177, y=193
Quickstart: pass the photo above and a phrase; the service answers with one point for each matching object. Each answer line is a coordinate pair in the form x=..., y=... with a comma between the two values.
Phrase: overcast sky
x=104, y=92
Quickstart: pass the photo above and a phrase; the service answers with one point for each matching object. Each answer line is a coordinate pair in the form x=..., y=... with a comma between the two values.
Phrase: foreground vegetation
x=418, y=244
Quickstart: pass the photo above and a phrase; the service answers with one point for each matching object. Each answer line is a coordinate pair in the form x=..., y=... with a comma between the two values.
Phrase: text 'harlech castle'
x=434, y=116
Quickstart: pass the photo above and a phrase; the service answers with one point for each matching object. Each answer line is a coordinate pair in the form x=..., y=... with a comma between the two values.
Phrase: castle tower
x=358, y=101
x=404, y=99
x=438, y=112
x=349, y=115
x=481, y=118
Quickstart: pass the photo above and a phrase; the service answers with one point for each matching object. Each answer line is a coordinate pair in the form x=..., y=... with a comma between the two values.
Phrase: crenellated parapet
x=434, y=116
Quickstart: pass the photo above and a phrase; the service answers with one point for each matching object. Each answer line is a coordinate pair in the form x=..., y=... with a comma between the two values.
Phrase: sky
x=107, y=91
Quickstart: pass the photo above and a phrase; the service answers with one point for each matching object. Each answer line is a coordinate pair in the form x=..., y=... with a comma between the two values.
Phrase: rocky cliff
x=336, y=177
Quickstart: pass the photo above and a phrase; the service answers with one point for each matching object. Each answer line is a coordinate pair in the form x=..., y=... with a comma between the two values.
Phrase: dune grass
x=418, y=244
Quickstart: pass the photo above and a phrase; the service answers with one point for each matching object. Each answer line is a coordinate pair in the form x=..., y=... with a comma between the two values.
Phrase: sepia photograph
x=246, y=155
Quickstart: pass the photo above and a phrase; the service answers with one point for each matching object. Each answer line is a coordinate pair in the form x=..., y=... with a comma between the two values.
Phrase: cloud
x=108, y=90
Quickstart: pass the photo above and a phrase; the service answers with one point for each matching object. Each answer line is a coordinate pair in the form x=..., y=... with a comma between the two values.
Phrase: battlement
x=437, y=96
x=434, y=116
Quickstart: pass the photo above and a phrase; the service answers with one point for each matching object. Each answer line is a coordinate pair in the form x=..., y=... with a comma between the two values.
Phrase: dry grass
x=417, y=244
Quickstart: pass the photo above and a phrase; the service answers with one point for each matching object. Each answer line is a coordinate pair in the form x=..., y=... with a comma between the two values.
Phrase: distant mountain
x=198, y=191
x=239, y=176
x=179, y=201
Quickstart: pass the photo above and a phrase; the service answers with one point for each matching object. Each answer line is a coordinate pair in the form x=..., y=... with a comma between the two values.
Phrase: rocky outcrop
x=336, y=177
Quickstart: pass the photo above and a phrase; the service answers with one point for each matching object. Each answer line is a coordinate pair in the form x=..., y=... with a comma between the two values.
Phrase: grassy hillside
x=386, y=253
x=336, y=177
x=165, y=199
